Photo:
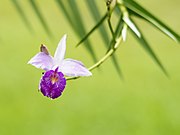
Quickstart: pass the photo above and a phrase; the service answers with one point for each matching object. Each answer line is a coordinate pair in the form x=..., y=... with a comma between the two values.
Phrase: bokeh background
x=145, y=102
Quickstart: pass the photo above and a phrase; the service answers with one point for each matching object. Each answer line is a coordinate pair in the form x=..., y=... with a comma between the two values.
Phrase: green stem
x=116, y=42
x=103, y=59
x=110, y=27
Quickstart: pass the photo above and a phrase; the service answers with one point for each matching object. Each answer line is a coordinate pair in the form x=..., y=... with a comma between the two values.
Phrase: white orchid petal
x=74, y=68
x=60, y=51
x=42, y=61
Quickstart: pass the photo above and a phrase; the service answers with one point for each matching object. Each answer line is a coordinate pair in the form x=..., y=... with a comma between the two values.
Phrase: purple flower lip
x=55, y=76
x=52, y=84
x=53, y=81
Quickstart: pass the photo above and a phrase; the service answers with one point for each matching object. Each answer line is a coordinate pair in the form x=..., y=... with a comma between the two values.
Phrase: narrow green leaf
x=72, y=13
x=92, y=5
x=132, y=5
x=69, y=14
x=22, y=14
x=120, y=26
x=148, y=49
x=76, y=16
x=80, y=24
x=117, y=33
x=117, y=66
x=96, y=15
x=62, y=7
x=131, y=25
x=92, y=30
x=40, y=17
x=132, y=13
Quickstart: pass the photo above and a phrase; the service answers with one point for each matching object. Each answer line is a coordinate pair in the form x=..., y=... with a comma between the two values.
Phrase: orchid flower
x=56, y=68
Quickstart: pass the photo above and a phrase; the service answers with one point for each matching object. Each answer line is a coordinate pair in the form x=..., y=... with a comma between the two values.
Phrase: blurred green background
x=146, y=102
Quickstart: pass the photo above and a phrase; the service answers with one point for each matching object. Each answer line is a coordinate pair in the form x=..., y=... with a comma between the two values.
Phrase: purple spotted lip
x=53, y=81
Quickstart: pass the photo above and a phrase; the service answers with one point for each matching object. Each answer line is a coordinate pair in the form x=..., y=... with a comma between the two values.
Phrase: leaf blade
x=72, y=14
x=40, y=17
x=95, y=13
x=22, y=14
x=149, y=50
x=92, y=30
x=138, y=9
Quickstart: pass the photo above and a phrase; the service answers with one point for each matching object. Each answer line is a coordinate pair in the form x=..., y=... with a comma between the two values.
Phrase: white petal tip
x=29, y=62
x=64, y=36
x=86, y=74
x=89, y=74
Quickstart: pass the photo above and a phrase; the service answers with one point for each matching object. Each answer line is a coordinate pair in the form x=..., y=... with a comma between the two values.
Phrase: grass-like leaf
x=117, y=34
x=77, y=17
x=62, y=7
x=95, y=13
x=91, y=4
x=79, y=23
x=117, y=66
x=131, y=25
x=92, y=30
x=147, y=47
x=22, y=14
x=40, y=17
x=135, y=7
x=72, y=14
